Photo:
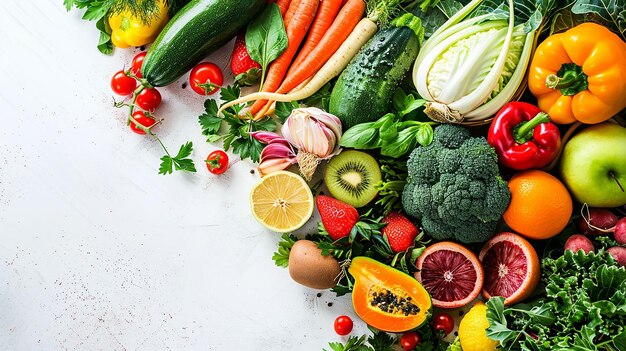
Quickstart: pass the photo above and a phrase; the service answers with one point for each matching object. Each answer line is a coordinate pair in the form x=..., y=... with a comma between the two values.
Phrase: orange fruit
x=540, y=205
x=452, y=274
x=512, y=268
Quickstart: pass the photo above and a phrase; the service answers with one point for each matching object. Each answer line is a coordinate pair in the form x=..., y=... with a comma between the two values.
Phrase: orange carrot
x=296, y=30
x=283, y=5
x=291, y=11
x=341, y=28
x=323, y=20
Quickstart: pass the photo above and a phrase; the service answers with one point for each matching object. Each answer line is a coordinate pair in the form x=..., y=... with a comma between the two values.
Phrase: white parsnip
x=363, y=31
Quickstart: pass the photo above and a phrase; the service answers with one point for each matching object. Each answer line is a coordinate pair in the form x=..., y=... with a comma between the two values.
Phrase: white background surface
x=98, y=251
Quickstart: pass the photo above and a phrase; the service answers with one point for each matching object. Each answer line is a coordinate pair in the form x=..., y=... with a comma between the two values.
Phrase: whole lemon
x=472, y=330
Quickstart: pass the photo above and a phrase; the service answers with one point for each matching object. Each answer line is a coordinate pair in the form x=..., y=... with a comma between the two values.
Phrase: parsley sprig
x=380, y=341
x=180, y=162
x=237, y=136
x=169, y=163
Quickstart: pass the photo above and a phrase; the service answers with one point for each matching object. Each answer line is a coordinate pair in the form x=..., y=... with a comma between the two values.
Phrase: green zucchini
x=199, y=28
x=364, y=89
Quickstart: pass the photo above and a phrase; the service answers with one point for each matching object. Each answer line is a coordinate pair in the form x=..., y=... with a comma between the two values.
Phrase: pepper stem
x=524, y=131
x=570, y=80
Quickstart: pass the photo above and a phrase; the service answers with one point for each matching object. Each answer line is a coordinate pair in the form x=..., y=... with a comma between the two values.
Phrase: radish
x=597, y=221
x=620, y=231
x=619, y=254
x=579, y=242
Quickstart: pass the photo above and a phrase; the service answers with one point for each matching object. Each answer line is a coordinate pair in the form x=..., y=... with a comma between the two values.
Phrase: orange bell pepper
x=580, y=75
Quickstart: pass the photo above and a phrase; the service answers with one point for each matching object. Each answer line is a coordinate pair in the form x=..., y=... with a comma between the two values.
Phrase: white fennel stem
x=480, y=95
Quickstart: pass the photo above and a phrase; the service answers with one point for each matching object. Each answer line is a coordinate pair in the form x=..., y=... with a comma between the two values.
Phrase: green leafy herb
x=180, y=162
x=266, y=38
x=394, y=173
x=237, y=136
x=281, y=257
x=96, y=10
x=210, y=122
x=320, y=99
x=584, y=308
x=380, y=341
x=396, y=134
x=353, y=344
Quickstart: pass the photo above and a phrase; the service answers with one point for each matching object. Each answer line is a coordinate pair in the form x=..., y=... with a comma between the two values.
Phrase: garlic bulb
x=315, y=133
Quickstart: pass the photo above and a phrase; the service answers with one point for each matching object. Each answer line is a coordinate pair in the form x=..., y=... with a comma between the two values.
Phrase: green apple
x=593, y=165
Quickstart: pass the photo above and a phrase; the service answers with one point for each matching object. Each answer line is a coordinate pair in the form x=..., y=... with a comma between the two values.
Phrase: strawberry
x=338, y=217
x=400, y=231
x=246, y=71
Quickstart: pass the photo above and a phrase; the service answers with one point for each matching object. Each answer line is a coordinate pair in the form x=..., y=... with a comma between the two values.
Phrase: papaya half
x=386, y=298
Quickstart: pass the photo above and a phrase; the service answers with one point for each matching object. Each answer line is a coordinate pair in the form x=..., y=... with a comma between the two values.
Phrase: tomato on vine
x=206, y=78
x=443, y=323
x=217, y=162
x=137, y=62
x=409, y=340
x=343, y=325
x=148, y=99
x=122, y=84
x=144, y=119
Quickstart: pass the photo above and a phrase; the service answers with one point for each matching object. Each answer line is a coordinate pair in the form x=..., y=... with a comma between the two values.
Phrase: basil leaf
x=104, y=43
x=611, y=13
x=361, y=136
x=424, y=134
x=389, y=130
x=404, y=143
x=266, y=38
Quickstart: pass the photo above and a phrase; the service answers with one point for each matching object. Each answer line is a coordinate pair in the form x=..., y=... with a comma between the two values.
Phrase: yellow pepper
x=128, y=29
x=580, y=75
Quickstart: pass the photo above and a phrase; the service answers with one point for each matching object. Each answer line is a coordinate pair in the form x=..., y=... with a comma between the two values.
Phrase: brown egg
x=310, y=268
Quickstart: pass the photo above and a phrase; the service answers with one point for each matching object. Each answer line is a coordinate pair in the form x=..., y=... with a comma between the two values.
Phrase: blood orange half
x=511, y=267
x=451, y=274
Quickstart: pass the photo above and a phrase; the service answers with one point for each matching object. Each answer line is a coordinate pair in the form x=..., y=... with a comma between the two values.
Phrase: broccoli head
x=454, y=187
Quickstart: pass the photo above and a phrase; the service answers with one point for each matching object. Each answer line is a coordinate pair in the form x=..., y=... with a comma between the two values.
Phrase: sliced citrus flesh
x=282, y=201
x=450, y=273
x=512, y=268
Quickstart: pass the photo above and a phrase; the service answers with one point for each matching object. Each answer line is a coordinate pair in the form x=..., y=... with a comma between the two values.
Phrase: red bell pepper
x=523, y=136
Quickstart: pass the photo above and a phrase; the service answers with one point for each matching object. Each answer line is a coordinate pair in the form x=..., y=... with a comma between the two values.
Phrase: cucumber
x=199, y=28
x=364, y=89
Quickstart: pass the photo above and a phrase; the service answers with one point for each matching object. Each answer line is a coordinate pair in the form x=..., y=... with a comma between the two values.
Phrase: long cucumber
x=363, y=91
x=198, y=29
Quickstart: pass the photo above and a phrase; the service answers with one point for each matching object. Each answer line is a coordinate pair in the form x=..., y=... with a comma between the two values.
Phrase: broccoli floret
x=454, y=187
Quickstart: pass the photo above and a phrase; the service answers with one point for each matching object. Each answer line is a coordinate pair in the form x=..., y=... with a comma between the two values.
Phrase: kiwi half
x=351, y=176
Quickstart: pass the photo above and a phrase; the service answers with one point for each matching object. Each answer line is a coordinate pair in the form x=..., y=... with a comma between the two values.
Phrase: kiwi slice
x=351, y=176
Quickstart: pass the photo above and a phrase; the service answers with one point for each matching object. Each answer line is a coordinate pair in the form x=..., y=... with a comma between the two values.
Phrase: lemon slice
x=282, y=201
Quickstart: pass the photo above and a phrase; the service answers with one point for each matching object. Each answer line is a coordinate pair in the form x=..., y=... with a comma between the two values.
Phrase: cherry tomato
x=137, y=62
x=142, y=118
x=343, y=325
x=409, y=340
x=122, y=84
x=217, y=162
x=443, y=323
x=148, y=99
x=206, y=78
